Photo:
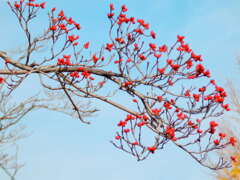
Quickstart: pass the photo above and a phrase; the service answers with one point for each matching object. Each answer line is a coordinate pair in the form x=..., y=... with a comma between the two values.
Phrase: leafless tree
x=158, y=79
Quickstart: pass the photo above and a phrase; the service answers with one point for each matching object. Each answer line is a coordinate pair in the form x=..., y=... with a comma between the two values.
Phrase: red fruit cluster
x=232, y=141
x=127, y=83
x=156, y=111
x=170, y=133
x=62, y=24
x=213, y=126
x=75, y=74
x=109, y=47
x=19, y=5
x=65, y=60
x=1, y=80
x=86, y=45
x=73, y=38
x=163, y=48
x=152, y=149
x=122, y=18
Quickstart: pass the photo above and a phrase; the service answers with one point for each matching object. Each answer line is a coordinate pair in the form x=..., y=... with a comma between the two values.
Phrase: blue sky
x=62, y=148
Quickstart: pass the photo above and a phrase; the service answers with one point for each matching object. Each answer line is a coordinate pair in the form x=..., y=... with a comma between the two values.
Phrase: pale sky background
x=64, y=149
